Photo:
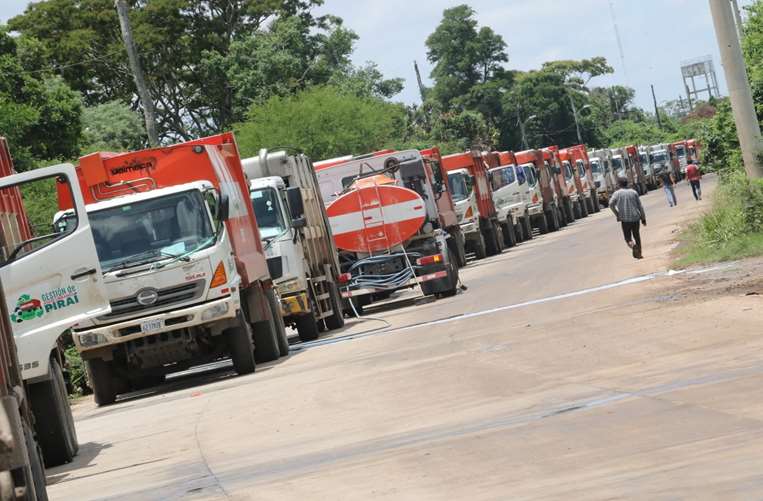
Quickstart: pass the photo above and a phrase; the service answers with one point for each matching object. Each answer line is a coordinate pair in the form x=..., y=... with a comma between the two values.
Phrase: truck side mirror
x=294, y=199
x=275, y=267
x=223, y=208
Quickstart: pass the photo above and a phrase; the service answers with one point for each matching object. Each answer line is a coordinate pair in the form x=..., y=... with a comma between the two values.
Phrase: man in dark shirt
x=668, y=184
x=626, y=204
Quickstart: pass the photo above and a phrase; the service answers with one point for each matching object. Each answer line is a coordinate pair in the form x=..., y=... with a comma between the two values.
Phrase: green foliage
x=39, y=113
x=40, y=202
x=753, y=51
x=322, y=121
x=733, y=228
x=77, y=374
x=111, y=126
x=626, y=132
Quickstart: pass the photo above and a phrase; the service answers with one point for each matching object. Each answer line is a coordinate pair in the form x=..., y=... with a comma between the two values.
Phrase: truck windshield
x=595, y=167
x=581, y=169
x=530, y=174
x=460, y=186
x=617, y=164
x=567, y=170
x=643, y=158
x=267, y=209
x=659, y=156
x=151, y=230
x=680, y=151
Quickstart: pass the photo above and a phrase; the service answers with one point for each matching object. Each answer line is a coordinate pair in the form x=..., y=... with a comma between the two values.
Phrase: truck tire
x=596, y=203
x=36, y=469
x=54, y=422
x=509, y=238
x=590, y=208
x=452, y=279
x=480, y=247
x=307, y=327
x=241, y=347
x=266, y=340
x=583, y=206
x=570, y=210
x=101, y=377
x=336, y=320
x=283, y=340
x=542, y=224
x=527, y=227
x=577, y=210
x=491, y=240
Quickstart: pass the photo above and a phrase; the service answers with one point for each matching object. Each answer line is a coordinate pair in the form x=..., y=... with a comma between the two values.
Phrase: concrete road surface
x=567, y=370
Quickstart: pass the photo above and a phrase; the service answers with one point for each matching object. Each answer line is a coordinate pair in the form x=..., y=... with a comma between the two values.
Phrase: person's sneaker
x=637, y=252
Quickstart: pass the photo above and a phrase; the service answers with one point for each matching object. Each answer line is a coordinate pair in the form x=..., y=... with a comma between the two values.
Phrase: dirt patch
x=743, y=279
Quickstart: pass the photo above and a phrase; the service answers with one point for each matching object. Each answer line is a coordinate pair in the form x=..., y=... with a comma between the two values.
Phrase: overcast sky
x=657, y=35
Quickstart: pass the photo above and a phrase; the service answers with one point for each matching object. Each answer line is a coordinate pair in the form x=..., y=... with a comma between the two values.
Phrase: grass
x=732, y=229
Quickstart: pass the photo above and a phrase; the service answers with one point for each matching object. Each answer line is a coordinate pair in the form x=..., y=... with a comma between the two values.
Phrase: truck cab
x=659, y=159
x=544, y=191
x=573, y=185
x=680, y=153
x=646, y=165
x=553, y=163
x=603, y=179
x=183, y=263
x=295, y=231
x=510, y=193
x=482, y=230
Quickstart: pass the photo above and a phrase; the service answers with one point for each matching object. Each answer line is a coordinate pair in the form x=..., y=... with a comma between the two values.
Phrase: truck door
x=50, y=273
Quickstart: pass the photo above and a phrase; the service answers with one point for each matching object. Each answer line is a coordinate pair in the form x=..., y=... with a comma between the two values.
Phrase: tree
x=753, y=51
x=111, y=126
x=39, y=113
x=322, y=121
x=462, y=56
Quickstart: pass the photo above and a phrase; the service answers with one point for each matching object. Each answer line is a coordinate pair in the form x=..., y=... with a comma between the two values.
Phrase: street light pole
x=576, y=116
x=522, y=124
x=740, y=94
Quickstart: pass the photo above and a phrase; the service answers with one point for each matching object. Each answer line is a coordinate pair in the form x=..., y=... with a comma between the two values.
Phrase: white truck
x=659, y=159
x=646, y=164
x=183, y=263
x=294, y=226
x=604, y=181
x=52, y=281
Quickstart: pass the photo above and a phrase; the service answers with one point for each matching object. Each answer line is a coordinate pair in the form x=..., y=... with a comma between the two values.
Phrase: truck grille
x=166, y=297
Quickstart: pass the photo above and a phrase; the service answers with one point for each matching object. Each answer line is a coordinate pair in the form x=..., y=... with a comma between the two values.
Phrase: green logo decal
x=27, y=309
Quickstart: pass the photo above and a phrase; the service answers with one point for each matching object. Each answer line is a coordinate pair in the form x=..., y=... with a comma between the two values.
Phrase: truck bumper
x=470, y=227
x=535, y=209
x=421, y=278
x=296, y=304
x=122, y=332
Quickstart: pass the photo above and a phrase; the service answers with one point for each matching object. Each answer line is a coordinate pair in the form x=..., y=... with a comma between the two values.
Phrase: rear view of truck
x=295, y=230
x=183, y=263
x=386, y=225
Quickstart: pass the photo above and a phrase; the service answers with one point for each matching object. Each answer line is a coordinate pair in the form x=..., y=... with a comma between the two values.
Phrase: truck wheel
x=577, y=211
x=101, y=377
x=452, y=279
x=307, y=327
x=491, y=240
x=596, y=204
x=54, y=422
x=509, y=238
x=36, y=470
x=480, y=251
x=266, y=341
x=583, y=206
x=336, y=320
x=590, y=209
x=241, y=347
x=527, y=226
x=570, y=209
x=542, y=224
x=283, y=340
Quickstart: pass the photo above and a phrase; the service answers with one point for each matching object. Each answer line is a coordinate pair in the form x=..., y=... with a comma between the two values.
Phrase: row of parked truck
x=158, y=260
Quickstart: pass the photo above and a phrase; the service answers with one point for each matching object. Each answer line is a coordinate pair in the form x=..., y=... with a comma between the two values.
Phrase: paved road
x=556, y=374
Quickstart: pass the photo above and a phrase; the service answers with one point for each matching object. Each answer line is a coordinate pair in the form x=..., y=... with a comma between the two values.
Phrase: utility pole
x=522, y=131
x=422, y=89
x=738, y=19
x=575, y=115
x=656, y=109
x=137, y=72
x=740, y=94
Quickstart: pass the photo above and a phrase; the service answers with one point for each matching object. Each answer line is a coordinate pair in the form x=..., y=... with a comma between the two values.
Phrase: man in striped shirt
x=626, y=204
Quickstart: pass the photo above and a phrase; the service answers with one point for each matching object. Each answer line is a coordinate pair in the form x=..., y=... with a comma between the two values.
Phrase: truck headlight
x=91, y=339
x=287, y=286
x=214, y=311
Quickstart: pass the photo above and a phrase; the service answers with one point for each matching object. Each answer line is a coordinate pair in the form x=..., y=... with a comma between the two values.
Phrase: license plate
x=151, y=326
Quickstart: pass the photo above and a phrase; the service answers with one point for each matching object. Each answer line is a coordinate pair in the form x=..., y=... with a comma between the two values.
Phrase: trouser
x=696, y=189
x=670, y=194
x=632, y=233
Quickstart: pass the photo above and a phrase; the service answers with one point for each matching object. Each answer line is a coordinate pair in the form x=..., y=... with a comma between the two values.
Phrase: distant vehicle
x=680, y=158
x=622, y=168
x=646, y=165
x=639, y=174
x=561, y=184
x=693, y=150
x=385, y=215
x=659, y=159
x=552, y=217
x=295, y=230
x=577, y=193
x=604, y=181
x=511, y=191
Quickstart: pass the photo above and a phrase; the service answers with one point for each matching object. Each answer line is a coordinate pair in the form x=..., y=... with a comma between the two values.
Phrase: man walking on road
x=668, y=184
x=694, y=176
x=626, y=205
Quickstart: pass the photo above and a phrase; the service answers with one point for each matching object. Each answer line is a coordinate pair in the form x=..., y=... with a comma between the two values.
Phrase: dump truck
x=584, y=179
x=573, y=183
x=183, y=262
x=693, y=149
x=659, y=159
x=294, y=226
x=554, y=165
x=604, y=181
x=622, y=167
x=470, y=186
x=646, y=165
x=543, y=192
x=680, y=159
x=510, y=191
x=52, y=281
x=639, y=173
x=384, y=216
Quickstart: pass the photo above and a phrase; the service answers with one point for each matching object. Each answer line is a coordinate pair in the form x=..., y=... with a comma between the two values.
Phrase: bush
x=76, y=367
